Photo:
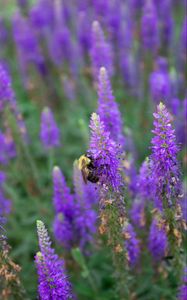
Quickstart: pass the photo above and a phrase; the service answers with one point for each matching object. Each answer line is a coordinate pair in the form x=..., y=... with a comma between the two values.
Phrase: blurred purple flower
x=105, y=153
x=149, y=27
x=165, y=168
x=137, y=213
x=108, y=109
x=6, y=92
x=49, y=131
x=160, y=83
x=157, y=240
x=131, y=244
x=100, y=52
x=27, y=44
x=52, y=278
x=42, y=14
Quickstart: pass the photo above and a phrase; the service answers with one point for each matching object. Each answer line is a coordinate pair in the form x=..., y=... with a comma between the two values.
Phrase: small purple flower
x=183, y=288
x=105, y=153
x=157, y=240
x=49, y=131
x=108, y=110
x=100, y=52
x=149, y=27
x=131, y=244
x=52, y=278
x=165, y=169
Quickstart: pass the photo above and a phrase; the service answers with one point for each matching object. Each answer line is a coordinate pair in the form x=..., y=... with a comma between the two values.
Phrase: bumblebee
x=87, y=168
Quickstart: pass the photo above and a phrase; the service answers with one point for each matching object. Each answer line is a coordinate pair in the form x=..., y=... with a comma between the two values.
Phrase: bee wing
x=84, y=176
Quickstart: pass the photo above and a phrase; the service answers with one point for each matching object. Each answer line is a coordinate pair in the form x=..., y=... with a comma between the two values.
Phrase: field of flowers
x=93, y=111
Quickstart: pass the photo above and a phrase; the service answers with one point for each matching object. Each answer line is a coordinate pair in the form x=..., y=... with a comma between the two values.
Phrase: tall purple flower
x=160, y=82
x=157, y=240
x=105, y=154
x=49, y=131
x=183, y=288
x=101, y=54
x=149, y=27
x=108, y=109
x=53, y=282
x=131, y=244
x=165, y=169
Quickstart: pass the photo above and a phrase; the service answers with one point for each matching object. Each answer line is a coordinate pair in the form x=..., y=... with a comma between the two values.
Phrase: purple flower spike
x=49, y=132
x=149, y=27
x=100, y=52
x=105, y=153
x=165, y=169
x=53, y=282
x=108, y=109
x=131, y=244
x=157, y=240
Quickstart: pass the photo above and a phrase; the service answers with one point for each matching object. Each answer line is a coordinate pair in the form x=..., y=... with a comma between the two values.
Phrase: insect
x=86, y=166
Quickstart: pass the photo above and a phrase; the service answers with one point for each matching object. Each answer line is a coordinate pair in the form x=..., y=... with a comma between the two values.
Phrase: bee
x=87, y=168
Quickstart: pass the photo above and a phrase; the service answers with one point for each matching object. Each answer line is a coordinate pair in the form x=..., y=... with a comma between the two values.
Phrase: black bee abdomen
x=92, y=178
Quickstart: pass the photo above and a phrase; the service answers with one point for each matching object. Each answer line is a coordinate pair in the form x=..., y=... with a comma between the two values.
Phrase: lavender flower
x=53, y=282
x=105, y=154
x=160, y=82
x=108, y=109
x=100, y=52
x=183, y=289
x=165, y=167
x=157, y=240
x=131, y=244
x=149, y=27
x=49, y=131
